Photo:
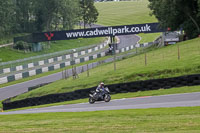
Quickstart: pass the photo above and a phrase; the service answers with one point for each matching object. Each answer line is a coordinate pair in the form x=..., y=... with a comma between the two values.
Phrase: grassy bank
x=182, y=119
x=8, y=54
x=126, y=13
x=148, y=37
x=161, y=63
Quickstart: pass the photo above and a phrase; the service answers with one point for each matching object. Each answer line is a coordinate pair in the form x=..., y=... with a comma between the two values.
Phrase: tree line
x=27, y=16
x=178, y=14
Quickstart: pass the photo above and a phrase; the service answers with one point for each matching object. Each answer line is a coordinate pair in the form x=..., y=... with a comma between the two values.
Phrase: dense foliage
x=178, y=14
x=22, y=16
x=89, y=12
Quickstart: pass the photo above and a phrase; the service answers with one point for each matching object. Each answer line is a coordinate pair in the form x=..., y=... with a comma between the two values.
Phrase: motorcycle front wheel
x=91, y=100
x=107, y=98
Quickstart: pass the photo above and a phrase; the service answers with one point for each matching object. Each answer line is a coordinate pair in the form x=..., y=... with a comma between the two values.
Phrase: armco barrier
x=154, y=84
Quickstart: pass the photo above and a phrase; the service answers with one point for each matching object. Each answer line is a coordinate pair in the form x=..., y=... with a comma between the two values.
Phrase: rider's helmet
x=102, y=84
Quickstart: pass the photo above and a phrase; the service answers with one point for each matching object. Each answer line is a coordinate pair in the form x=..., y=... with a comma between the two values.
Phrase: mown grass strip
x=176, y=120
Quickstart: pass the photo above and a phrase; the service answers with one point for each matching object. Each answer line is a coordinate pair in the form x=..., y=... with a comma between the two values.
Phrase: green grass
x=8, y=54
x=176, y=120
x=148, y=37
x=70, y=44
x=186, y=89
x=161, y=63
x=124, y=13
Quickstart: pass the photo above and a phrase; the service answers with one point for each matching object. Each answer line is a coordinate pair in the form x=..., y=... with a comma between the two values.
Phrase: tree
x=44, y=11
x=178, y=14
x=69, y=13
x=24, y=15
x=7, y=15
x=89, y=12
x=52, y=13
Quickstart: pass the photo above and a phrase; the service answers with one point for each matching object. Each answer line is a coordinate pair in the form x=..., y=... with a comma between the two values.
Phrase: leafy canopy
x=178, y=14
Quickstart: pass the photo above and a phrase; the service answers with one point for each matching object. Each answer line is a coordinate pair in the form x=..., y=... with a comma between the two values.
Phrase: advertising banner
x=91, y=32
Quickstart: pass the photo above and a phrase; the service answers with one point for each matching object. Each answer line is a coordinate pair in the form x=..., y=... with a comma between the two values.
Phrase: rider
x=100, y=89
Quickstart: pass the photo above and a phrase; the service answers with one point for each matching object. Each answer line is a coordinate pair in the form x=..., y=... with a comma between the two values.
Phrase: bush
x=21, y=45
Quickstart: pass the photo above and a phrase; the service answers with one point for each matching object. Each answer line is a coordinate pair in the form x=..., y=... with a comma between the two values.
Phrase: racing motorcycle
x=99, y=96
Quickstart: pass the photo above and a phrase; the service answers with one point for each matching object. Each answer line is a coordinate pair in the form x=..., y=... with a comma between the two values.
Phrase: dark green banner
x=91, y=32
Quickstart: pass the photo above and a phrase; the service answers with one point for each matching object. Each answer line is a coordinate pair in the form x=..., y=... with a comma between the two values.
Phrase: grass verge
x=176, y=120
x=148, y=37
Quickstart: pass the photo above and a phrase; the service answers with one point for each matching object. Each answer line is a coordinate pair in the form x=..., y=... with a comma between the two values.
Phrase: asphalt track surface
x=164, y=101
x=14, y=90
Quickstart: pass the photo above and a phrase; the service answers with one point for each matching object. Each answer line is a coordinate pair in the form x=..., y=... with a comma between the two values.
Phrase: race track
x=175, y=100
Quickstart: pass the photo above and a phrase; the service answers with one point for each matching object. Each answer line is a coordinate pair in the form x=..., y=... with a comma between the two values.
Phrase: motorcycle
x=99, y=96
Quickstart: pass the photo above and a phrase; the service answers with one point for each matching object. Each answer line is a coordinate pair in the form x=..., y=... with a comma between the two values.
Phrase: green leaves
x=199, y=8
x=6, y=16
x=25, y=16
x=178, y=14
x=89, y=12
